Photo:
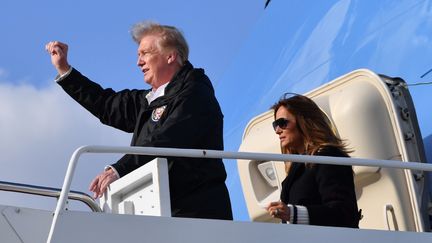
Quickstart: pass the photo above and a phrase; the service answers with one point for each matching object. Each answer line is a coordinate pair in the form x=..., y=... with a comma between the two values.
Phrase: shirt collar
x=154, y=94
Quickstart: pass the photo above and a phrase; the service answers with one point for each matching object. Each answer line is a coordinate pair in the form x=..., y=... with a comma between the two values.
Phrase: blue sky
x=40, y=126
x=97, y=32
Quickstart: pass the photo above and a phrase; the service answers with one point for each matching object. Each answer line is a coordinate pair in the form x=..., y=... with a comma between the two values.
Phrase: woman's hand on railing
x=279, y=210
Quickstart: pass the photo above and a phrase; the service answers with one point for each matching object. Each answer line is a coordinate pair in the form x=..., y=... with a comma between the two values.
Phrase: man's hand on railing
x=99, y=185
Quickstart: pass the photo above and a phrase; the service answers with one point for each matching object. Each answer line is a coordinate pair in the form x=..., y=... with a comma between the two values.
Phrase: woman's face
x=285, y=126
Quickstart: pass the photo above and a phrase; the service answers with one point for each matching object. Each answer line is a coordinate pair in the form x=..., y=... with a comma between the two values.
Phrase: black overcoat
x=327, y=191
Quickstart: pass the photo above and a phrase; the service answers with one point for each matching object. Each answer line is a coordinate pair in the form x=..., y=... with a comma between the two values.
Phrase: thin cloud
x=39, y=130
x=3, y=73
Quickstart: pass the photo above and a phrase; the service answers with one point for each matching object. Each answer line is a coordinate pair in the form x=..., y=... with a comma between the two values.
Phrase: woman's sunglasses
x=281, y=122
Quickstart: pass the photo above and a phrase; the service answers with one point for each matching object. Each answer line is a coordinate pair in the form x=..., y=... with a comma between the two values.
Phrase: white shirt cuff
x=302, y=214
x=59, y=78
x=291, y=209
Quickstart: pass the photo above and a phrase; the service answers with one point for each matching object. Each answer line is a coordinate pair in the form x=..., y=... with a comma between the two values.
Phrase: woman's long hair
x=312, y=123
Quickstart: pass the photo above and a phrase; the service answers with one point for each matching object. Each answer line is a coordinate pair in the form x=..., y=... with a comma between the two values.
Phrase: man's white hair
x=170, y=37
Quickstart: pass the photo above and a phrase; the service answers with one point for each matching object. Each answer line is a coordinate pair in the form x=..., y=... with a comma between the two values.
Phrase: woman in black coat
x=316, y=194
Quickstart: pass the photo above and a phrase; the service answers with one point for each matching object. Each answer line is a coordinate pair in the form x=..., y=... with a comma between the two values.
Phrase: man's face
x=153, y=62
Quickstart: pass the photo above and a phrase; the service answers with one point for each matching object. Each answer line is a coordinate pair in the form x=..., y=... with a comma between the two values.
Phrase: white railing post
x=65, y=189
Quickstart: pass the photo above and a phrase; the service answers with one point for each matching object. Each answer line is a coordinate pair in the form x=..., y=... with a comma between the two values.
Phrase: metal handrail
x=49, y=192
x=199, y=153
